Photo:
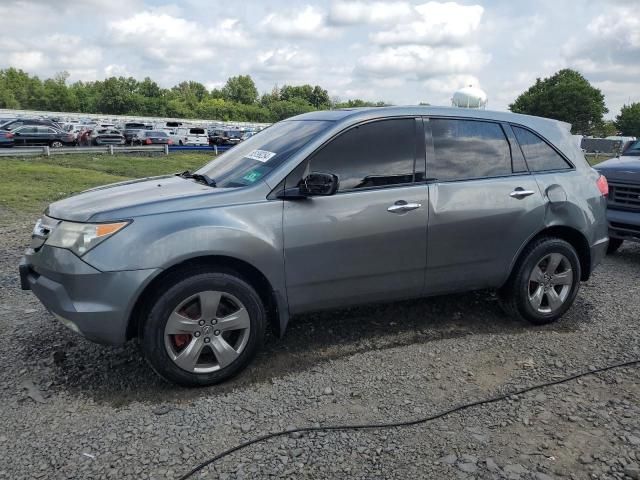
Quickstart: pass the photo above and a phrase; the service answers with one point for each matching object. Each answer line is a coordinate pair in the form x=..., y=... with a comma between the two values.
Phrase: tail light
x=603, y=185
x=148, y=141
x=170, y=142
x=9, y=135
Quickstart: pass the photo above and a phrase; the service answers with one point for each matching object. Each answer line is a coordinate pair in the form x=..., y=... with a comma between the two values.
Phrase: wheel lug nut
x=216, y=332
x=201, y=322
x=207, y=339
x=214, y=321
x=196, y=334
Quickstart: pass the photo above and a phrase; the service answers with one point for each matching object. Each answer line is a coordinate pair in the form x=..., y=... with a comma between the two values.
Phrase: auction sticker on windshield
x=260, y=155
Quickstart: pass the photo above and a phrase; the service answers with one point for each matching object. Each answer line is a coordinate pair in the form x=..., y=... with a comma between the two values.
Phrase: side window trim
x=551, y=145
x=516, y=150
x=431, y=149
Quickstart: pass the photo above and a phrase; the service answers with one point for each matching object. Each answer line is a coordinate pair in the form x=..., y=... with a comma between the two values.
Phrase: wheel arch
x=570, y=235
x=274, y=302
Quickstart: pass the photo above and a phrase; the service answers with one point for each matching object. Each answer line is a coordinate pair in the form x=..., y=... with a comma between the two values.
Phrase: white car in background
x=192, y=136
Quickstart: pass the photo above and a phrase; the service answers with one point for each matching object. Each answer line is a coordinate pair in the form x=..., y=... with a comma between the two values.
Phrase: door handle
x=402, y=207
x=520, y=193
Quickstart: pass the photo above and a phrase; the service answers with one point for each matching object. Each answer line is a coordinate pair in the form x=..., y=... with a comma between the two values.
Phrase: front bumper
x=624, y=224
x=96, y=304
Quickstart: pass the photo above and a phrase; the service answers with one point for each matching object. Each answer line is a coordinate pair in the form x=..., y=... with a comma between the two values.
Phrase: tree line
x=237, y=100
x=566, y=96
x=569, y=97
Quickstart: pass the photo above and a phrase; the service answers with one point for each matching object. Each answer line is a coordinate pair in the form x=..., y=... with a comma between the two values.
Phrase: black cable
x=406, y=423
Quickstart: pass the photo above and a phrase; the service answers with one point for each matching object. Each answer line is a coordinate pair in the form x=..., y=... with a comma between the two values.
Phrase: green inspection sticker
x=252, y=176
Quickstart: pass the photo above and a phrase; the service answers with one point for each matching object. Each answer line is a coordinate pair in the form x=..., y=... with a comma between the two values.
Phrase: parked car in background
x=131, y=128
x=19, y=122
x=247, y=135
x=623, y=205
x=39, y=135
x=6, y=139
x=196, y=136
x=107, y=136
x=225, y=137
x=194, y=265
x=151, y=137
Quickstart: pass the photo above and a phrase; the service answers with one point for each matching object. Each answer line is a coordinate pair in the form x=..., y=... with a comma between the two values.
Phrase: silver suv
x=326, y=209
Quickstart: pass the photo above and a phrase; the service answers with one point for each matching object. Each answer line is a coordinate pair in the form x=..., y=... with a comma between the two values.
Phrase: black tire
x=514, y=295
x=614, y=245
x=174, y=291
x=56, y=144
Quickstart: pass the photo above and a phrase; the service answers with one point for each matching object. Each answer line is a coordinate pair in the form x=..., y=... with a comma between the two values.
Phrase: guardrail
x=106, y=150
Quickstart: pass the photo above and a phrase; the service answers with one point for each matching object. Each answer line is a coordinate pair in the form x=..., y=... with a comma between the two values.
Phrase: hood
x=625, y=169
x=131, y=198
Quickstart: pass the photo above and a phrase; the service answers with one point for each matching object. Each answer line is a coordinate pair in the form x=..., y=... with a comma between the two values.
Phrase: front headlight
x=82, y=237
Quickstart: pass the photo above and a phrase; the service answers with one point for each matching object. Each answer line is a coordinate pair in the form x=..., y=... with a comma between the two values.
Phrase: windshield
x=155, y=133
x=197, y=131
x=633, y=149
x=256, y=157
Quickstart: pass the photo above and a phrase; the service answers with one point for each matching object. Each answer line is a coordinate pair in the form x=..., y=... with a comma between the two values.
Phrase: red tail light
x=603, y=185
x=170, y=142
x=148, y=141
x=9, y=135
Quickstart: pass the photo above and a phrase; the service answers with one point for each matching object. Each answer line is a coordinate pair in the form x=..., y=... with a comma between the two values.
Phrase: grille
x=626, y=196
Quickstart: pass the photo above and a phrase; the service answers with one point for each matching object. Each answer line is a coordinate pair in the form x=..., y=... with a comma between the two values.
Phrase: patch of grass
x=28, y=185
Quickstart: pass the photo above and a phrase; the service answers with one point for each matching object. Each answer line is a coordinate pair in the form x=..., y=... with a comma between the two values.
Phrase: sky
x=398, y=51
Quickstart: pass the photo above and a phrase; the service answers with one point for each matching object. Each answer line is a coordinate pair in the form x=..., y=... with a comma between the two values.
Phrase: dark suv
x=623, y=206
x=225, y=137
x=323, y=210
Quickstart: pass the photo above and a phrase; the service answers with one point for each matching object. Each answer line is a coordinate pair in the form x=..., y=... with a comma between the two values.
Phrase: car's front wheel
x=204, y=328
x=544, y=282
x=56, y=144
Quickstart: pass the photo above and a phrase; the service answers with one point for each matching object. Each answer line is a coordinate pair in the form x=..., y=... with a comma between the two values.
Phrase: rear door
x=368, y=241
x=28, y=135
x=484, y=204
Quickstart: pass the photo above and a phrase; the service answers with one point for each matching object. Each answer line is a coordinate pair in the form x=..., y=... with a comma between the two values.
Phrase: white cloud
x=434, y=23
x=28, y=60
x=422, y=61
x=310, y=22
x=450, y=83
x=354, y=12
x=283, y=60
x=165, y=38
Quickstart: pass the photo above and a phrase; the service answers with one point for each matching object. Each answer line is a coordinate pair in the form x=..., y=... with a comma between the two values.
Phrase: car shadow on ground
x=119, y=375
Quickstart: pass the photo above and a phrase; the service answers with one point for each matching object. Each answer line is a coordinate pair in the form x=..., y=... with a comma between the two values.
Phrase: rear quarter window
x=540, y=156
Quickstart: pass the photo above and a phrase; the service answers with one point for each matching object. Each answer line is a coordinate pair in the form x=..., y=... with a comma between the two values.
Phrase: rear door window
x=540, y=156
x=468, y=149
x=376, y=154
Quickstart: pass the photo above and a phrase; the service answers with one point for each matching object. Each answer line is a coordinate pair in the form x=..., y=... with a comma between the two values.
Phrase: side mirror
x=319, y=184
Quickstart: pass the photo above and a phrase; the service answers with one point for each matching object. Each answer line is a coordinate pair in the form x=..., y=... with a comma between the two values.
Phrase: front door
x=484, y=204
x=367, y=242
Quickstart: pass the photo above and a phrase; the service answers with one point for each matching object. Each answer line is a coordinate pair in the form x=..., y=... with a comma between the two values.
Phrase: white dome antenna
x=470, y=97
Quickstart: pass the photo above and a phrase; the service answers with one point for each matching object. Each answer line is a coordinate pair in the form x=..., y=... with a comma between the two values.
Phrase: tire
x=179, y=309
x=180, y=143
x=519, y=297
x=614, y=245
x=56, y=144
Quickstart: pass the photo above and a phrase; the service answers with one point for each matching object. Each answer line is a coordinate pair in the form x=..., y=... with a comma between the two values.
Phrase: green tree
x=566, y=96
x=628, y=121
x=241, y=89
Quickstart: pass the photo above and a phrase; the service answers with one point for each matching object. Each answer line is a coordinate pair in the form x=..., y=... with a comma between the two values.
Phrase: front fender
x=248, y=232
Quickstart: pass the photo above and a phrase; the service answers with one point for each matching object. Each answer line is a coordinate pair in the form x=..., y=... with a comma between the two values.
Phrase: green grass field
x=28, y=185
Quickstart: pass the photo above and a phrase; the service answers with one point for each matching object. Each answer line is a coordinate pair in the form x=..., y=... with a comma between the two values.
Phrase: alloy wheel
x=207, y=332
x=550, y=283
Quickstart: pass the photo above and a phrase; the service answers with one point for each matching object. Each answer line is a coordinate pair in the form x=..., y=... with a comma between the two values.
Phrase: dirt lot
x=72, y=409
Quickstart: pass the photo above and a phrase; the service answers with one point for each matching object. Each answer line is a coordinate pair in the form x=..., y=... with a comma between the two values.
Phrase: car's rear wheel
x=56, y=144
x=614, y=245
x=544, y=282
x=203, y=329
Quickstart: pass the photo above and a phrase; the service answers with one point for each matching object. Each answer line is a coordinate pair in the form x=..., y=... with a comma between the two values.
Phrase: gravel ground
x=73, y=409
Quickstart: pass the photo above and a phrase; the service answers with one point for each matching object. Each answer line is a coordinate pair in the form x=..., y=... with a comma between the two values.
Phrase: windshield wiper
x=198, y=177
